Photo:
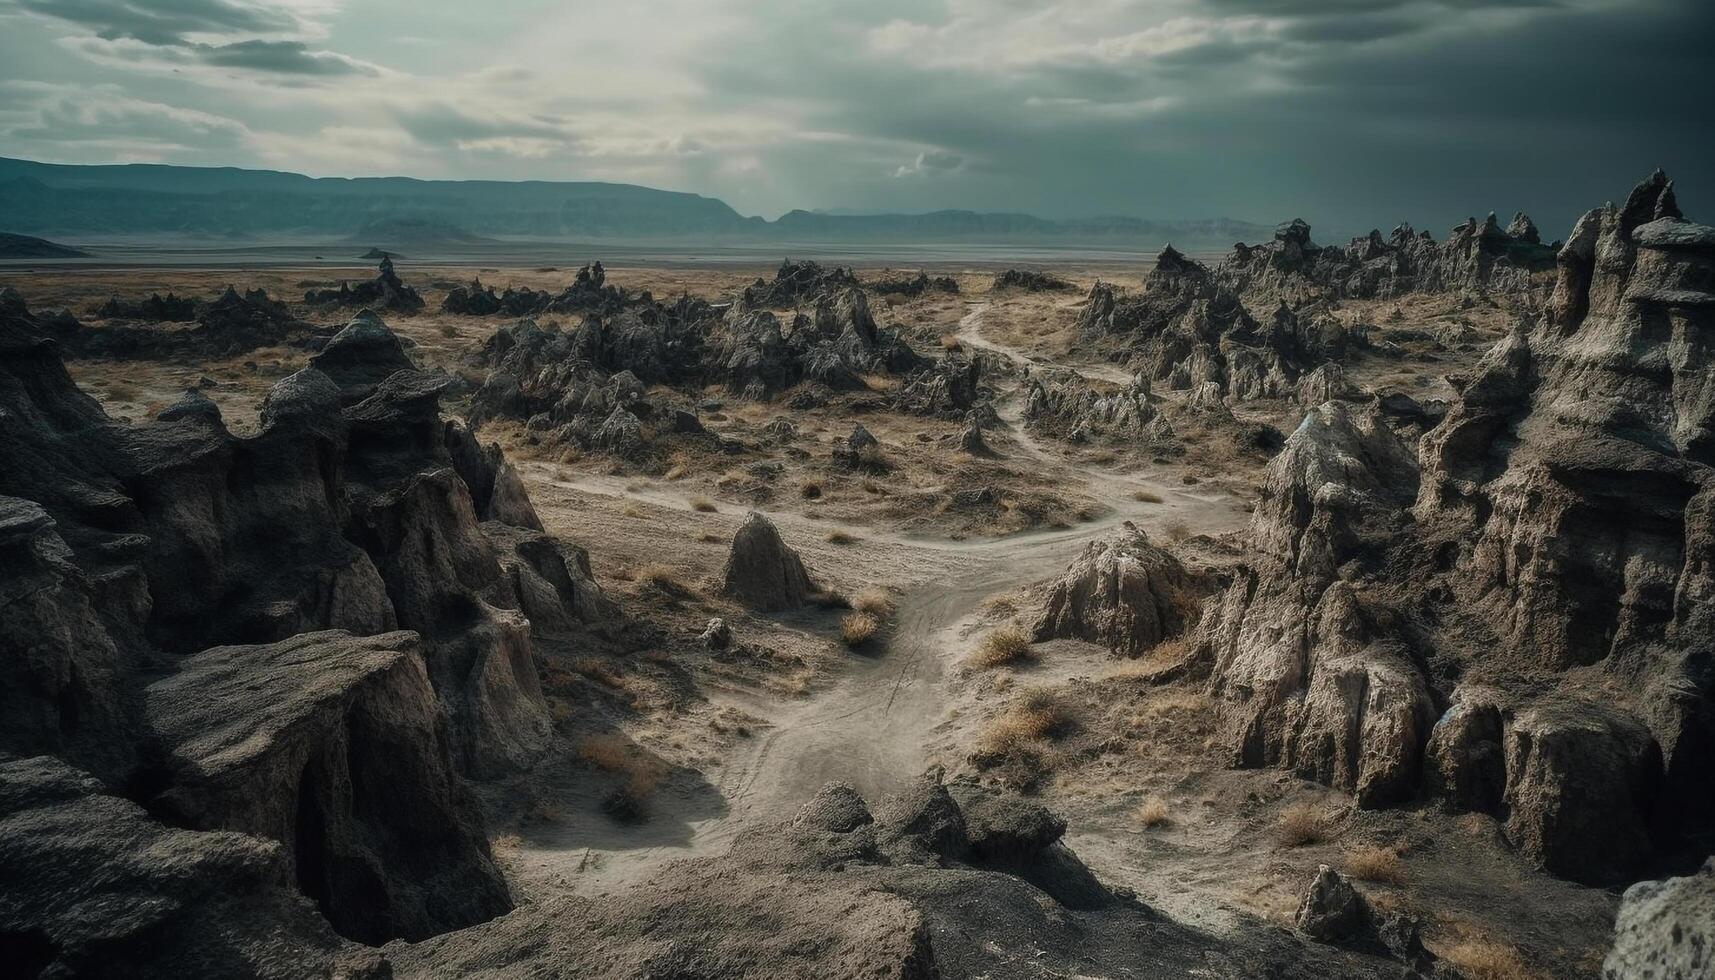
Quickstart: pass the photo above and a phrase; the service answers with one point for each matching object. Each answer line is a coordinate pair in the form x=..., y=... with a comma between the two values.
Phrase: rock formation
x=1123, y=593
x=761, y=571
x=794, y=283
x=935, y=881
x=155, y=308
x=914, y=285
x=1029, y=280
x=1333, y=912
x=1544, y=589
x=1070, y=407
x=228, y=326
x=169, y=592
x=589, y=294
x=1476, y=257
x=385, y=292
x=1666, y=929
x=1187, y=327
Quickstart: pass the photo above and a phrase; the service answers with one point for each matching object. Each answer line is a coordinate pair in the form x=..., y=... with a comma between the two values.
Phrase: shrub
x=703, y=505
x=949, y=342
x=858, y=628
x=675, y=472
x=1177, y=531
x=1485, y=959
x=1146, y=497
x=1302, y=824
x=810, y=490
x=839, y=537
x=874, y=601
x=447, y=330
x=664, y=577
x=1005, y=645
x=1032, y=717
x=1153, y=812
x=1380, y=864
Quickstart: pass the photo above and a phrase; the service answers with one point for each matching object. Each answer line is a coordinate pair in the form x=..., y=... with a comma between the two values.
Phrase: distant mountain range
x=228, y=203
x=26, y=247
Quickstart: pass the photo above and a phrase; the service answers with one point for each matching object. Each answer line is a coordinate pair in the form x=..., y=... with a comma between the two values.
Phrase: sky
x=1351, y=113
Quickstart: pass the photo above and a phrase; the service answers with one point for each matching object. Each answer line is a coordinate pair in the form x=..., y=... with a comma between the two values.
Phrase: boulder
x=1124, y=593
x=95, y=885
x=761, y=571
x=335, y=747
x=1665, y=930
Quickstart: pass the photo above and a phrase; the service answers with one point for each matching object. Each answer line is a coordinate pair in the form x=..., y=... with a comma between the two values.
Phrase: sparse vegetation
x=663, y=577
x=1479, y=958
x=810, y=490
x=1003, y=646
x=675, y=472
x=1301, y=824
x=1033, y=716
x=874, y=601
x=1146, y=496
x=640, y=774
x=1177, y=531
x=839, y=537
x=1153, y=812
x=703, y=505
x=858, y=628
x=1379, y=864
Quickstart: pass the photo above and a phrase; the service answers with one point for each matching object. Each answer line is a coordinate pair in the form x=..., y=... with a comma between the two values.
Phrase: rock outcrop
x=230, y=325
x=1308, y=675
x=1072, y=408
x=1476, y=257
x=385, y=292
x=1666, y=929
x=1029, y=280
x=761, y=571
x=794, y=283
x=331, y=745
x=1545, y=589
x=1333, y=912
x=938, y=881
x=1123, y=593
x=589, y=294
x=130, y=552
x=96, y=886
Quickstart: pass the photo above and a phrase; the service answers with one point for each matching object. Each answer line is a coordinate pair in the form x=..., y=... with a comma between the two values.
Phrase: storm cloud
x=1352, y=113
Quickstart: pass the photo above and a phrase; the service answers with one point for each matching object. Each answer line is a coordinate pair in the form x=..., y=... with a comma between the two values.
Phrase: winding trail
x=871, y=727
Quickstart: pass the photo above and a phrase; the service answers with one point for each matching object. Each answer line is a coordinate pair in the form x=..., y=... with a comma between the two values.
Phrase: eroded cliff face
x=1543, y=589
x=310, y=635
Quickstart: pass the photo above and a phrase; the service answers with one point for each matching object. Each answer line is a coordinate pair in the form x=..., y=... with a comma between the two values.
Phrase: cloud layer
x=1350, y=112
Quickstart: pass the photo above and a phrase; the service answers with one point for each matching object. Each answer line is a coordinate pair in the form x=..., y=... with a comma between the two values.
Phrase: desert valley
x=1289, y=610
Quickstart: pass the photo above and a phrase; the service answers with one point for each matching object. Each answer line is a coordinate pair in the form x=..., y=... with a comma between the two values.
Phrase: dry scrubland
x=949, y=533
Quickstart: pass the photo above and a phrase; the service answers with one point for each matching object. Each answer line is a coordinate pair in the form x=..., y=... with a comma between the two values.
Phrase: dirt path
x=871, y=727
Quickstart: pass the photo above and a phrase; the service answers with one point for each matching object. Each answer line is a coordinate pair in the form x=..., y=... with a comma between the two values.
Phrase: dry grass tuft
x=875, y=601
x=1177, y=531
x=633, y=510
x=1153, y=812
x=703, y=505
x=1032, y=717
x=709, y=537
x=664, y=577
x=949, y=342
x=810, y=490
x=858, y=628
x=1380, y=864
x=676, y=472
x=597, y=670
x=1485, y=959
x=1302, y=823
x=640, y=773
x=839, y=537
x=1146, y=496
x=1005, y=645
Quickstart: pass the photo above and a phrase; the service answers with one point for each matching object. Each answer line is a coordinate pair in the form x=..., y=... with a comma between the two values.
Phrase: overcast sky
x=1349, y=112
